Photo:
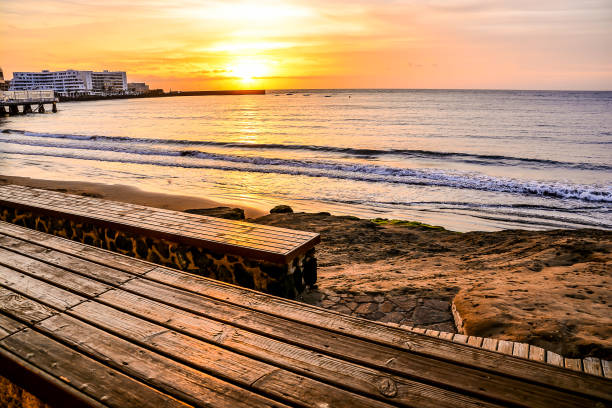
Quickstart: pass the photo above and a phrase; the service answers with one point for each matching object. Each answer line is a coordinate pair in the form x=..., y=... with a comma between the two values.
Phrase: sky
x=214, y=44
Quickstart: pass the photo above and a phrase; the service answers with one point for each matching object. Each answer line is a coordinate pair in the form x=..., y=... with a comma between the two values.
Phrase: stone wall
x=286, y=280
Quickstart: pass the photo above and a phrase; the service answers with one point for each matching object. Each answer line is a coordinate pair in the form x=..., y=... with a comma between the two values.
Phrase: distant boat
x=306, y=94
x=328, y=96
x=289, y=93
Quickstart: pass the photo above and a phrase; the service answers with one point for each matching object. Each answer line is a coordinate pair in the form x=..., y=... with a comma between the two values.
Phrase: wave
x=315, y=168
x=473, y=158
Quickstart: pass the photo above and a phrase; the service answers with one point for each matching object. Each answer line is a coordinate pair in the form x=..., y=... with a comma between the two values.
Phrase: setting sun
x=249, y=70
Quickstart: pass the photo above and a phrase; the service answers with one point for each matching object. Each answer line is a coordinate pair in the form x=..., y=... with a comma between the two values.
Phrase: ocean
x=463, y=159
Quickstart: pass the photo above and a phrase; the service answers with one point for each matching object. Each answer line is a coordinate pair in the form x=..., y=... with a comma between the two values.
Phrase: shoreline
x=124, y=193
x=545, y=288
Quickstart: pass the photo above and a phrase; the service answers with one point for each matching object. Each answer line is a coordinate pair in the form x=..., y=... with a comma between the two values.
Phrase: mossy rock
x=403, y=223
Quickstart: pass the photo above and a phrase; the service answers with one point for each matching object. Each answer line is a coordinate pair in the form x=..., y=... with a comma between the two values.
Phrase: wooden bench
x=273, y=260
x=82, y=326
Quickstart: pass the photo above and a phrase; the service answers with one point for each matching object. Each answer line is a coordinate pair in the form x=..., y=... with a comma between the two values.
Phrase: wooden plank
x=504, y=346
x=573, y=364
x=306, y=362
x=537, y=353
x=48, y=389
x=195, y=357
x=108, y=386
x=607, y=368
x=460, y=338
x=447, y=336
x=592, y=366
x=432, y=333
x=50, y=273
x=58, y=259
x=554, y=359
x=17, y=307
x=8, y=326
x=382, y=334
x=489, y=344
x=418, y=330
x=474, y=341
x=44, y=292
x=92, y=254
x=521, y=350
x=344, y=347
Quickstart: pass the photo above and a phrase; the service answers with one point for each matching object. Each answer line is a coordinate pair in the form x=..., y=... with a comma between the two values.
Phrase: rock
x=426, y=315
x=219, y=212
x=281, y=209
x=394, y=317
x=366, y=308
x=386, y=307
x=437, y=304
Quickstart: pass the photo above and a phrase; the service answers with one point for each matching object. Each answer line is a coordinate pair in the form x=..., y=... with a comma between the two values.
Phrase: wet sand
x=550, y=289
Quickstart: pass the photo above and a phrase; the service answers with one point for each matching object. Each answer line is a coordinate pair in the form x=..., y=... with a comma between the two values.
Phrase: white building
x=71, y=82
x=109, y=82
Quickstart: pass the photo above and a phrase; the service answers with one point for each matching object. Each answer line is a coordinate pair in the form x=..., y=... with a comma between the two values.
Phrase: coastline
x=546, y=288
x=123, y=193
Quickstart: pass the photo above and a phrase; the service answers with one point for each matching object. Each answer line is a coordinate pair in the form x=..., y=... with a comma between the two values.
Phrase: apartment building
x=71, y=82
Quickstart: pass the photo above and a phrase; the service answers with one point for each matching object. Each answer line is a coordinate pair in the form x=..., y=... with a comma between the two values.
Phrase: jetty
x=28, y=101
x=83, y=326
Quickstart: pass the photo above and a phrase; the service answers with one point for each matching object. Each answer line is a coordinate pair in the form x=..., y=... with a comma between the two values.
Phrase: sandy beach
x=549, y=289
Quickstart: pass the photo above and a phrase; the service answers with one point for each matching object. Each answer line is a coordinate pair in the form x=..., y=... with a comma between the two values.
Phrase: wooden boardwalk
x=81, y=326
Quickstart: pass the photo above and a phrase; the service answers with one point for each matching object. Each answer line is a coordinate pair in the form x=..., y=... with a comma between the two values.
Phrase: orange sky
x=191, y=45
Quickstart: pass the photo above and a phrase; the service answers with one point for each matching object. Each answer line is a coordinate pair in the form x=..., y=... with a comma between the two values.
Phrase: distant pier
x=22, y=102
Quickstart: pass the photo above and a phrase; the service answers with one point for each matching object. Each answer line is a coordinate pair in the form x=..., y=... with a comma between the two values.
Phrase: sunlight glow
x=249, y=69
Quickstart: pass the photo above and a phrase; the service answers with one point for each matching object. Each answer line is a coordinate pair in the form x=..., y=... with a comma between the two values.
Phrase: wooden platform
x=81, y=326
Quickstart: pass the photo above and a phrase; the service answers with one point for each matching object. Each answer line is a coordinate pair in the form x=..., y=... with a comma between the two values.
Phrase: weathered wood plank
x=489, y=344
x=60, y=260
x=447, y=336
x=432, y=333
x=460, y=338
x=93, y=379
x=592, y=366
x=504, y=346
x=554, y=359
x=381, y=357
x=537, y=353
x=474, y=341
x=16, y=306
x=92, y=254
x=42, y=271
x=37, y=289
x=311, y=363
x=39, y=386
x=164, y=374
x=372, y=331
x=8, y=326
x=573, y=364
x=521, y=350
x=195, y=358
x=607, y=368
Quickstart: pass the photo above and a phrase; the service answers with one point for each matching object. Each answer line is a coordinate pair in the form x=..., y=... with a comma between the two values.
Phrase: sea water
x=463, y=159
